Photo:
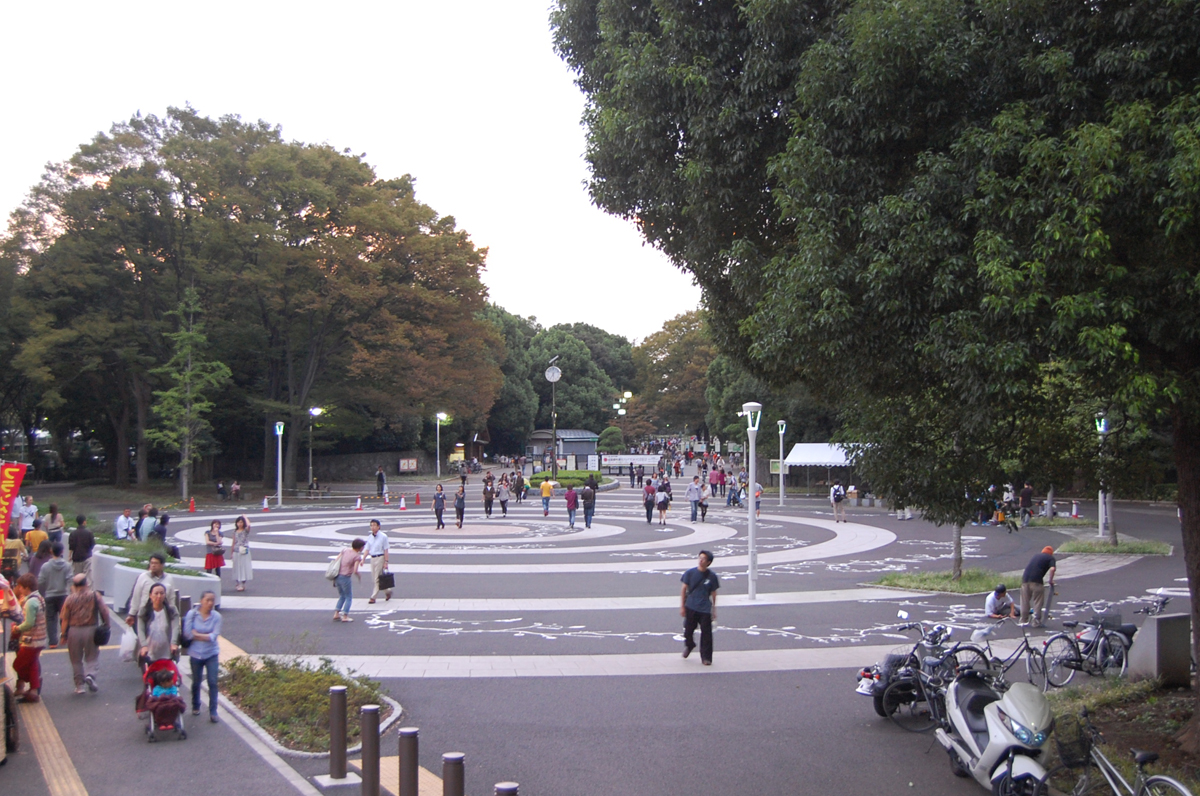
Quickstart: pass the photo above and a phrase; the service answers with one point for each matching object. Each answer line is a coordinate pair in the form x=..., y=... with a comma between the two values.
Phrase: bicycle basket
x=1109, y=621
x=1074, y=741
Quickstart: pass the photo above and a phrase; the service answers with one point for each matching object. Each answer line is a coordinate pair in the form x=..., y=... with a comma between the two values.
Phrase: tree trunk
x=1187, y=463
x=121, y=455
x=958, y=558
x=291, y=452
x=1108, y=516
x=141, y=399
x=1048, y=513
x=268, y=456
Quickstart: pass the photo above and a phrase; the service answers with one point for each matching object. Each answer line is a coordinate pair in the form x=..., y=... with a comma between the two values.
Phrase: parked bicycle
x=1026, y=651
x=1077, y=741
x=874, y=680
x=1098, y=650
x=915, y=700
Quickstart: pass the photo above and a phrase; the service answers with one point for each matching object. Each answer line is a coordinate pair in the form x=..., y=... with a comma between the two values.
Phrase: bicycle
x=1035, y=663
x=916, y=699
x=1100, y=655
x=1077, y=740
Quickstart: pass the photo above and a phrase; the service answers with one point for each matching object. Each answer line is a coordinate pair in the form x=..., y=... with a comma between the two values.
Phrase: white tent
x=816, y=454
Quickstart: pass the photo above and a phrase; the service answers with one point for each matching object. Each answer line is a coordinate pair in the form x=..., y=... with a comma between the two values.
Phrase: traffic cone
x=358, y=504
x=192, y=506
x=1075, y=509
x=402, y=506
x=386, y=502
x=418, y=498
x=266, y=506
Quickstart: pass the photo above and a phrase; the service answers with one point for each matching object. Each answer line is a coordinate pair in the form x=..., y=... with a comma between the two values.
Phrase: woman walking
x=460, y=505
x=54, y=524
x=489, y=495
x=215, y=550
x=439, y=505
x=503, y=493
x=648, y=499
x=348, y=562
x=33, y=639
x=663, y=500
x=202, y=628
x=157, y=628
x=243, y=566
x=82, y=613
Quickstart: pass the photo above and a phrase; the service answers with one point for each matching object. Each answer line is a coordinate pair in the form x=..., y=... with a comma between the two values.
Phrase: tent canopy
x=817, y=454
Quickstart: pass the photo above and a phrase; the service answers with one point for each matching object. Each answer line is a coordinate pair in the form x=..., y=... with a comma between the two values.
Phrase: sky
x=467, y=96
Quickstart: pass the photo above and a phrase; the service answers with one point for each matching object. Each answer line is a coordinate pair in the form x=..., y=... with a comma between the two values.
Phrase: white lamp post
x=279, y=464
x=1102, y=517
x=752, y=411
x=313, y=413
x=782, y=466
x=441, y=417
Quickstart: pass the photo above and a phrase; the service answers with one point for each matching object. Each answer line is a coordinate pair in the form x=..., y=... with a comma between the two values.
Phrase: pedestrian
x=489, y=495
x=38, y=559
x=81, y=542
x=202, y=628
x=380, y=481
x=32, y=633
x=721, y=478
x=662, y=499
x=502, y=494
x=54, y=581
x=547, y=493
x=999, y=605
x=632, y=476
x=439, y=505
x=235, y=490
x=1033, y=588
x=29, y=513
x=214, y=550
x=243, y=564
x=648, y=499
x=124, y=525
x=33, y=539
x=349, y=561
x=54, y=523
x=641, y=473
x=589, y=502
x=572, y=505
x=698, y=606
x=157, y=628
x=758, y=490
x=462, y=474
x=837, y=496
x=82, y=613
x=377, y=555
x=519, y=486
x=460, y=504
x=705, y=494
x=1026, y=504
x=692, y=496
x=154, y=575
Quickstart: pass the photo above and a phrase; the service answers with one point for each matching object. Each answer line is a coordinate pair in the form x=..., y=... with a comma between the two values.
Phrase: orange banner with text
x=11, y=475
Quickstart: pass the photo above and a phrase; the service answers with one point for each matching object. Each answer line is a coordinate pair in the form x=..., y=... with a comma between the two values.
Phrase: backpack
x=838, y=494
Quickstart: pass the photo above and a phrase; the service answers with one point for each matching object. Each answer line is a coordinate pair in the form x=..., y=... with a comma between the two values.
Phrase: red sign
x=11, y=475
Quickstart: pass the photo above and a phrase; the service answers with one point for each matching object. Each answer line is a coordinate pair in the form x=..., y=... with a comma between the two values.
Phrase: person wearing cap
x=999, y=605
x=1033, y=589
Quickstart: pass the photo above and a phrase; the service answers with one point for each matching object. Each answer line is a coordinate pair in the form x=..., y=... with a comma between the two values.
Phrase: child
x=164, y=684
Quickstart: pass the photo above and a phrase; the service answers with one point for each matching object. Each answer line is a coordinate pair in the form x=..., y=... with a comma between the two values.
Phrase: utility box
x=1163, y=648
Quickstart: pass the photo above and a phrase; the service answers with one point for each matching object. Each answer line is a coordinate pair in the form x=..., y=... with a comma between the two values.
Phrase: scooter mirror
x=949, y=632
x=902, y=614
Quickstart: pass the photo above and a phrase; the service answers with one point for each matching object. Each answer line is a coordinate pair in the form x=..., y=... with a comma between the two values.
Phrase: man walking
x=53, y=582
x=1026, y=504
x=837, y=497
x=698, y=606
x=692, y=496
x=589, y=504
x=547, y=493
x=81, y=542
x=377, y=554
x=81, y=614
x=1033, y=590
x=380, y=481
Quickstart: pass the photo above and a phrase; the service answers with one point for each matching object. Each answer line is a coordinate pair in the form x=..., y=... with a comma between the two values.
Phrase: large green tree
x=672, y=366
x=511, y=419
x=612, y=353
x=584, y=395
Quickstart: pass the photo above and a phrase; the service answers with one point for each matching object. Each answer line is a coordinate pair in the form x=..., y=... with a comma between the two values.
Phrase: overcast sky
x=465, y=95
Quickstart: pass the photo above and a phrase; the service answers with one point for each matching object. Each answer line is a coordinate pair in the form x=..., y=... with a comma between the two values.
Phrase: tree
x=583, y=396
x=612, y=353
x=511, y=419
x=181, y=408
x=611, y=440
x=672, y=366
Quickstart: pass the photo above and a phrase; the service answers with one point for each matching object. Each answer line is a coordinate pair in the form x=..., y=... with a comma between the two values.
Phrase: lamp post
x=782, y=466
x=441, y=417
x=1102, y=518
x=553, y=374
x=752, y=411
x=279, y=464
x=313, y=413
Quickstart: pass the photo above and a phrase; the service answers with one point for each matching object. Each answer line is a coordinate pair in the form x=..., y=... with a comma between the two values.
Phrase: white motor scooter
x=998, y=733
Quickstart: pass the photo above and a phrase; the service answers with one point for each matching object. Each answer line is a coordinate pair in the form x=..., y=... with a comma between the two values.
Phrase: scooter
x=998, y=732
x=874, y=680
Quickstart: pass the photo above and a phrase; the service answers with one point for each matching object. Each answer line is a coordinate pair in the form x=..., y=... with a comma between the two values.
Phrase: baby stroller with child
x=163, y=712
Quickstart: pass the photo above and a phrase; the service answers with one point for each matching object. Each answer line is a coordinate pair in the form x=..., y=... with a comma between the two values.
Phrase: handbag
x=103, y=632
x=335, y=567
x=387, y=580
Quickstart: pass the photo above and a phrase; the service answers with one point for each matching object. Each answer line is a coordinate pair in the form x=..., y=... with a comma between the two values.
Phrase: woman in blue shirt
x=202, y=627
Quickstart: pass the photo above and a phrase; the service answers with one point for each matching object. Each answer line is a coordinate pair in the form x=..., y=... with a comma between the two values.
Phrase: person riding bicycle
x=999, y=605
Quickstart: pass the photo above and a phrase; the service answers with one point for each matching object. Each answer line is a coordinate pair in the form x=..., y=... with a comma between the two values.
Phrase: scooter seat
x=978, y=696
x=1128, y=630
x=1144, y=758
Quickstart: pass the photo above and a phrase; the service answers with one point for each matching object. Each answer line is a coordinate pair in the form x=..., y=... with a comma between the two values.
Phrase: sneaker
x=347, y=618
x=707, y=663
x=687, y=651
x=195, y=711
x=213, y=718
x=80, y=689
x=90, y=681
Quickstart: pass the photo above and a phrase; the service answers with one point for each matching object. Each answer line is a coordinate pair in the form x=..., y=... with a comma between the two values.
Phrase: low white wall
x=116, y=580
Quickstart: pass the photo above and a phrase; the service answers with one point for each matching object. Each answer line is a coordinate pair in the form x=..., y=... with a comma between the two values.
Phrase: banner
x=11, y=475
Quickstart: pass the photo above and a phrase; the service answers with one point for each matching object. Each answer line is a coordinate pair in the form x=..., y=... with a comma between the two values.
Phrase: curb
x=283, y=751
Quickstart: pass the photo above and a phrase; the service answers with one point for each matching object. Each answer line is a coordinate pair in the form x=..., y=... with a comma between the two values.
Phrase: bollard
x=453, y=774
x=185, y=604
x=369, y=726
x=337, y=732
x=506, y=789
x=409, y=738
x=175, y=598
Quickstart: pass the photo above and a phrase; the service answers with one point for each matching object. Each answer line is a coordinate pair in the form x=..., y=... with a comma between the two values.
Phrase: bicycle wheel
x=1035, y=668
x=1061, y=658
x=968, y=657
x=907, y=706
x=1110, y=652
x=1162, y=786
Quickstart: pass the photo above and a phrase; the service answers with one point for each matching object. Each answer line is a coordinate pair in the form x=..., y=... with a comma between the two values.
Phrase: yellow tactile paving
x=61, y=777
x=428, y=783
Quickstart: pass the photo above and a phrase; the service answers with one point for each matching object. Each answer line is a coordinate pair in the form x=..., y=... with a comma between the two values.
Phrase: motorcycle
x=997, y=734
x=874, y=680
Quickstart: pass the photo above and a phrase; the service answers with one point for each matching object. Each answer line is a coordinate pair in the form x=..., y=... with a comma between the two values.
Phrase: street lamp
x=782, y=466
x=279, y=464
x=1102, y=508
x=553, y=374
x=441, y=417
x=313, y=413
x=752, y=411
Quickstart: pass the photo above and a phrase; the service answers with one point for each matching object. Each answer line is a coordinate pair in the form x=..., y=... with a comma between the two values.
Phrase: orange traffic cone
x=192, y=505
x=386, y=502
x=266, y=506
x=418, y=498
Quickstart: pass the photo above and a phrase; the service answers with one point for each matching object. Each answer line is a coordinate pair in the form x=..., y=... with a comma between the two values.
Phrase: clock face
x=553, y=374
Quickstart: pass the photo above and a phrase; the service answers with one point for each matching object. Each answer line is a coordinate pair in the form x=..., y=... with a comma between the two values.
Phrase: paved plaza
x=551, y=656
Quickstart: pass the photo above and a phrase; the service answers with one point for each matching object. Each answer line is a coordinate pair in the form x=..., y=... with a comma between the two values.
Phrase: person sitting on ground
x=999, y=605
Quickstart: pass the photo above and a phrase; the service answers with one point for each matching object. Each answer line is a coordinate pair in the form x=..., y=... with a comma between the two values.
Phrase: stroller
x=162, y=713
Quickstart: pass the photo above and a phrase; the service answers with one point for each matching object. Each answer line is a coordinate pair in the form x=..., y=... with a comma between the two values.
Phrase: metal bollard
x=453, y=774
x=369, y=725
x=337, y=732
x=506, y=789
x=185, y=604
x=409, y=737
x=175, y=598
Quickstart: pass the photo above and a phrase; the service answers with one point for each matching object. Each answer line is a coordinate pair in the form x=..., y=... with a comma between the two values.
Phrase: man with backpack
x=589, y=503
x=837, y=499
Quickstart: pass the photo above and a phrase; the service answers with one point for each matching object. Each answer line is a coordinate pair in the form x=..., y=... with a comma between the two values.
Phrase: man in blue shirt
x=698, y=606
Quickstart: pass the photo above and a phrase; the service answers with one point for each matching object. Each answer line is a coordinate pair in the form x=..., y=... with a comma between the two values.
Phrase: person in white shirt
x=141, y=587
x=124, y=525
x=29, y=513
x=837, y=499
x=377, y=554
x=999, y=605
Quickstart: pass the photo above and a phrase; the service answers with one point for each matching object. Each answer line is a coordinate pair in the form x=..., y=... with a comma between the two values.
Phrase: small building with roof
x=577, y=441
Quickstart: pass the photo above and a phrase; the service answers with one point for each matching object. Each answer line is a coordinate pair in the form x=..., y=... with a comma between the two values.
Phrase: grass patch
x=1129, y=547
x=973, y=581
x=1059, y=522
x=291, y=701
x=139, y=553
x=566, y=478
